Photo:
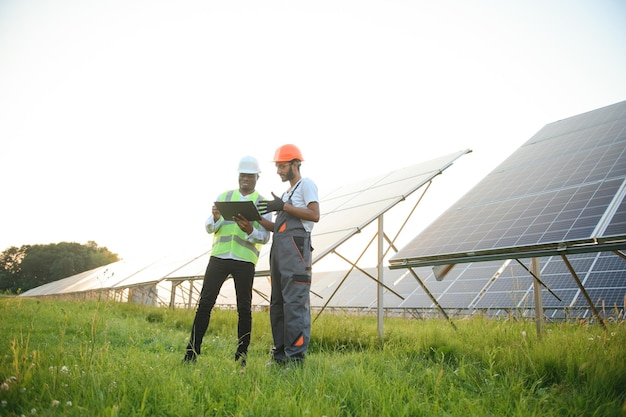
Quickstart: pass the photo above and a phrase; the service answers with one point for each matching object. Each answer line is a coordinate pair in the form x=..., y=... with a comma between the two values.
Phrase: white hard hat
x=249, y=165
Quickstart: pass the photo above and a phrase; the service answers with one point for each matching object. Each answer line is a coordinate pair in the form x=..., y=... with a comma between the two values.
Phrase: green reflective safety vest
x=229, y=240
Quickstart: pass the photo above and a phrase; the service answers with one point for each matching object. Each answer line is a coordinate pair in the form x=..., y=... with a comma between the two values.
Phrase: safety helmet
x=249, y=165
x=288, y=153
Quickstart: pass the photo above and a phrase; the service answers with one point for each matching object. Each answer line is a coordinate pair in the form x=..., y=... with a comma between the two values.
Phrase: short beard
x=290, y=175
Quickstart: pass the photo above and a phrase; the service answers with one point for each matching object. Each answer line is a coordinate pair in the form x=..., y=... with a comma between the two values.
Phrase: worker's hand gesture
x=243, y=223
x=216, y=213
x=266, y=206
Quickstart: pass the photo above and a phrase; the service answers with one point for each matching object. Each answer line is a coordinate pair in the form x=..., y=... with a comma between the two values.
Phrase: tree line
x=30, y=266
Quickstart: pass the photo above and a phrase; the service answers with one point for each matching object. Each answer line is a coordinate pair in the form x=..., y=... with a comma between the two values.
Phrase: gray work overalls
x=290, y=266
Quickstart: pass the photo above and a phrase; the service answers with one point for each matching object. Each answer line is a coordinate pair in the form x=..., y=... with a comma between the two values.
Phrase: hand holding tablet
x=229, y=209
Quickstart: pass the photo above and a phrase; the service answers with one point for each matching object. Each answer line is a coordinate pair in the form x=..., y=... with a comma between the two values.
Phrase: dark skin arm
x=269, y=225
x=216, y=213
x=310, y=212
x=243, y=223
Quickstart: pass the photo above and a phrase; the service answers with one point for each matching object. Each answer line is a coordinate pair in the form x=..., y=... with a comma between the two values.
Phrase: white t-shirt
x=304, y=194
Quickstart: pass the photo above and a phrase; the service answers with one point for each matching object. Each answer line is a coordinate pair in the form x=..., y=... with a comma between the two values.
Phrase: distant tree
x=10, y=262
x=33, y=265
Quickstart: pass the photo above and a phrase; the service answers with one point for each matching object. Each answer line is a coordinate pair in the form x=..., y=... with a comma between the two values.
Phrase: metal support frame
x=175, y=285
x=178, y=284
x=353, y=266
x=379, y=265
x=432, y=298
x=583, y=291
x=536, y=271
x=382, y=253
x=620, y=254
x=535, y=274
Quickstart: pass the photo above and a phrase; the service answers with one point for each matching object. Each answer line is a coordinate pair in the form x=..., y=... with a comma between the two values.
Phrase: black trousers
x=216, y=273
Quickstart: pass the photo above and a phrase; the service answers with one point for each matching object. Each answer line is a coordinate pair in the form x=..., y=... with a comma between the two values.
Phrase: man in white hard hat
x=236, y=246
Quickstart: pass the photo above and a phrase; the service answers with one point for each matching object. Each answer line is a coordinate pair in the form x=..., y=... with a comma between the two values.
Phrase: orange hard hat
x=288, y=153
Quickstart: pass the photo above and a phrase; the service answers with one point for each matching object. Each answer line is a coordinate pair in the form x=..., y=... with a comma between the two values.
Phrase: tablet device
x=228, y=209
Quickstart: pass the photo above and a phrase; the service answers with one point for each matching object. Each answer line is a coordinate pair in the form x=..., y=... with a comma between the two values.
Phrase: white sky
x=121, y=121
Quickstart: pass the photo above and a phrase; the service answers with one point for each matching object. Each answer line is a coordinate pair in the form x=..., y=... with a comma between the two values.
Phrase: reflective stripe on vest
x=230, y=240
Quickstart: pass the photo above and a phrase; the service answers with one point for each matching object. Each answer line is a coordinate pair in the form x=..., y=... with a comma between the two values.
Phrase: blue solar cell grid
x=554, y=190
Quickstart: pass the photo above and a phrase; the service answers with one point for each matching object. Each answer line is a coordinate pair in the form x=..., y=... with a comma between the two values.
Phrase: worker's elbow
x=314, y=210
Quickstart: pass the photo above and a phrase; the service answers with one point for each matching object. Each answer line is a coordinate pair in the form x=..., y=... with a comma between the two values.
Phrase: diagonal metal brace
x=584, y=291
x=538, y=280
x=432, y=297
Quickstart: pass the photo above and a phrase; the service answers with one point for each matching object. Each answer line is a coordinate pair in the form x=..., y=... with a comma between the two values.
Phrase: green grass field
x=66, y=358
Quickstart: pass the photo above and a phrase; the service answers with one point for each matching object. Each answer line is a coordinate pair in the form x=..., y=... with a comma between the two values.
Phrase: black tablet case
x=228, y=209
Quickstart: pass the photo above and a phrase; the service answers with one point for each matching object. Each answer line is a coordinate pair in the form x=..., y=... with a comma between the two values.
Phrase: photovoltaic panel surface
x=344, y=212
x=349, y=208
x=561, y=192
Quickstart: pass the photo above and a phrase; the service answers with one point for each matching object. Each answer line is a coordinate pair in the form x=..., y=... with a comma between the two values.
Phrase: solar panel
x=499, y=287
x=345, y=212
x=348, y=209
x=561, y=192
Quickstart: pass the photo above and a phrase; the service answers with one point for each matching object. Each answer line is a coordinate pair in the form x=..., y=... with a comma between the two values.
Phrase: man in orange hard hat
x=290, y=257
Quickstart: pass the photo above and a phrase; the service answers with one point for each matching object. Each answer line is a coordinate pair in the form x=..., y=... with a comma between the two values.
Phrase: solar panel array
x=348, y=209
x=505, y=286
x=345, y=211
x=490, y=287
x=561, y=192
x=564, y=188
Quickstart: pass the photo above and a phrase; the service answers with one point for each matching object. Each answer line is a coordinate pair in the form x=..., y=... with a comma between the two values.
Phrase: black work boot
x=241, y=357
x=191, y=355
